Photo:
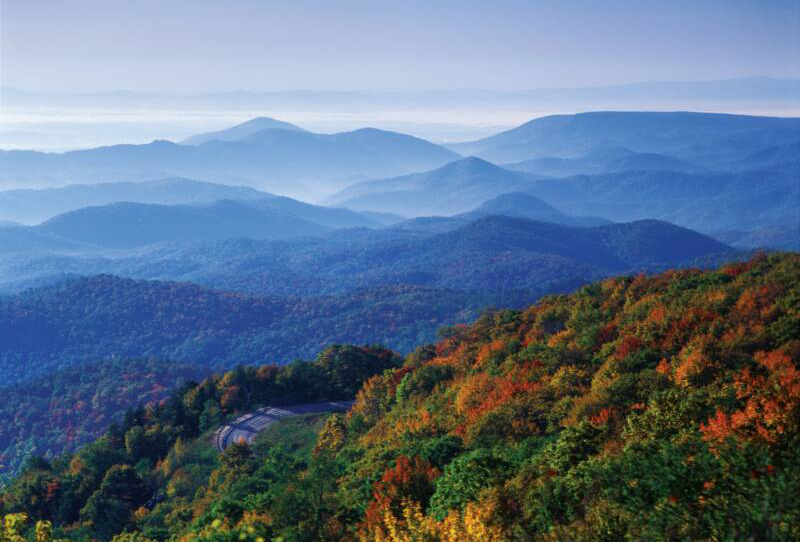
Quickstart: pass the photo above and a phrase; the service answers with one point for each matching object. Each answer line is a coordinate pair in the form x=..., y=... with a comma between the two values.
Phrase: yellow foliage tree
x=13, y=524
x=332, y=436
x=473, y=525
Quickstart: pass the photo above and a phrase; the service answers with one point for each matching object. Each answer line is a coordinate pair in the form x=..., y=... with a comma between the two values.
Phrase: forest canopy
x=639, y=408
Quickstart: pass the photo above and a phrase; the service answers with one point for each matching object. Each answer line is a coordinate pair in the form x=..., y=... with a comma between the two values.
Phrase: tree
x=408, y=480
x=237, y=458
x=108, y=509
x=464, y=478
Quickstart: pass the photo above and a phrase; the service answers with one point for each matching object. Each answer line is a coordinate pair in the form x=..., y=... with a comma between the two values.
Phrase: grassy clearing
x=297, y=434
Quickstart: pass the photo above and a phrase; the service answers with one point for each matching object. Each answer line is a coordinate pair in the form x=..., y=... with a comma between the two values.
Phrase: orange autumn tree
x=409, y=480
x=771, y=395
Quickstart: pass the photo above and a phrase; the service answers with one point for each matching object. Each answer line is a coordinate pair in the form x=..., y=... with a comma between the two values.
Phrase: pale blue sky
x=204, y=45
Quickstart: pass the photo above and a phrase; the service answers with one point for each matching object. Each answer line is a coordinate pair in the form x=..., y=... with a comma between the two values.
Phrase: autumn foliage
x=663, y=408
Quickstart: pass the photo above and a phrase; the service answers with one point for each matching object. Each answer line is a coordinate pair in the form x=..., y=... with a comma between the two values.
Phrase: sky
x=187, y=46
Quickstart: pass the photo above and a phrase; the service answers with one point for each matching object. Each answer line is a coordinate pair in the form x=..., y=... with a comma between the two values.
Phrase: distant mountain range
x=733, y=93
x=296, y=297
x=709, y=201
x=706, y=139
x=710, y=172
x=777, y=157
x=495, y=252
x=281, y=157
x=31, y=206
x=391, y=286
x=605, y=160
x=129, y=224
x=522, y=205
x=126, y=225
x=514, y=204
x=276, y=159
x=241, y=131
x=782, y=237
x=454, y=188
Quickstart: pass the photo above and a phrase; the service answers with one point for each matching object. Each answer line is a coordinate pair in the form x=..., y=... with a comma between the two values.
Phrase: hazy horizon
x=389, y=91
x=89, y=73
x=68, y=121
x=208, y=46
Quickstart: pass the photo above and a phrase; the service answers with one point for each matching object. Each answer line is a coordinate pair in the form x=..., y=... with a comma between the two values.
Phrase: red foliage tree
x=407, y=480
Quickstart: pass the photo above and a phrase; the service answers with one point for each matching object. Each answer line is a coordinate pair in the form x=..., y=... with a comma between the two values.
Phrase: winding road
x=247, y=426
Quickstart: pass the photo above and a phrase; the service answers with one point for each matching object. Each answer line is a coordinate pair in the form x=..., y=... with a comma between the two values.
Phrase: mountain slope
x=522, y=205
x=330, y=217
x=277, y=159
x=778, y=157
x=638, y=408
x=21, y=239
x=649, y=161
x=127, y=224
x=707, y=202
x=780, y=237
x=124, y=225
x=708, y=139
x=70, y=407
x=604, y=160
x=33, y=206
x=713, y=201
x=615, y=246
x=456, y=187
x=494, y=252
x=240, y=131
x=99, y=317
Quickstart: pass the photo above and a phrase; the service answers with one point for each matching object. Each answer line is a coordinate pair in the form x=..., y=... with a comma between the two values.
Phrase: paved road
x=246, y=427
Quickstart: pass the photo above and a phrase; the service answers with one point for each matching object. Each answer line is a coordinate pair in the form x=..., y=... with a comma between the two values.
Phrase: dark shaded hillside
x=125, y=225
x=104, y=316
x=617, y=246
x=491, y=253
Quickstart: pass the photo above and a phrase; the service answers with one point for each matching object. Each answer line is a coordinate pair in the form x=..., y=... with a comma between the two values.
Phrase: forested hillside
x=69, y=407
x=488, y=253
x=98, y=490
x=639, y=408
x=54, y=327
